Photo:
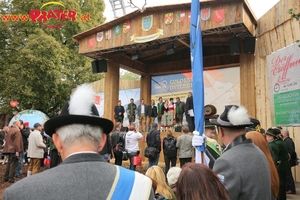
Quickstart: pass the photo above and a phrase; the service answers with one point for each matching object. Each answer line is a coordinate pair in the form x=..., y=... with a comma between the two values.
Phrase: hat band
x=223, y=123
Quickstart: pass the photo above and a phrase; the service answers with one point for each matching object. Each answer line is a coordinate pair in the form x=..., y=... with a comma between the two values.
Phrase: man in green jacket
x=131, y=111
x=282, y=163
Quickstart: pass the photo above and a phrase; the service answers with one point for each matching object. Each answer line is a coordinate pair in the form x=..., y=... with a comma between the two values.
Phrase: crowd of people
x=247, y=165
x=167, y=112
x=21, y=145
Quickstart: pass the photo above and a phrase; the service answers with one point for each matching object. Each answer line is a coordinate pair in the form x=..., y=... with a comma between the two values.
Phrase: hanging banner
x=284, y=86
x=221, y=86
x=146, y=38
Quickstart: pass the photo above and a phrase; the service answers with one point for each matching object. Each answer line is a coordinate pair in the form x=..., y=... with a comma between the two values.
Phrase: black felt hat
x=255, y=125
x=79, y=110
x=233, y=116
x=208, y=124
x=273, y=131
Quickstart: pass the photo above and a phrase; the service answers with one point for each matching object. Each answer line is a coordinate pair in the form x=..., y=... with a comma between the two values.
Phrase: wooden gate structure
x=139, y=41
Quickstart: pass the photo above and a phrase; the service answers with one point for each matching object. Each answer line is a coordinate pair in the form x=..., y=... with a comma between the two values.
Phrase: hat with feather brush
x=233, y=116
x=79, y=110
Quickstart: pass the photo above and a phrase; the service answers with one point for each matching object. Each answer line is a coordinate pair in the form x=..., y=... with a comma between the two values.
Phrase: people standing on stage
x=180, y=107
x=151, y=114
x=164, y=117
x=171, y=114
x=160, y=112
x=131, y=111
x=189, y=112
x=119, y=112
x=141, y=111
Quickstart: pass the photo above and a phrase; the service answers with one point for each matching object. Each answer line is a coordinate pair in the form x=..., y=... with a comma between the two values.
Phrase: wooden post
x=111, y=89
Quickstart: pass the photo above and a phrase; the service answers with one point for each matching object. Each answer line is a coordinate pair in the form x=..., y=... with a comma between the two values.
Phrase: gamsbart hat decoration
x=233, y=116
x=79, y=110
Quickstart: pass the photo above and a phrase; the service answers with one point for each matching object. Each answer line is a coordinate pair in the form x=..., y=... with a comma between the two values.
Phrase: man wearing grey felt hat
x=79, y=134
x=242, y=167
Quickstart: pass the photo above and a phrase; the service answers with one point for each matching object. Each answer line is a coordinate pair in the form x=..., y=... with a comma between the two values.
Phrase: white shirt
x=143, y=109
x=131, y=141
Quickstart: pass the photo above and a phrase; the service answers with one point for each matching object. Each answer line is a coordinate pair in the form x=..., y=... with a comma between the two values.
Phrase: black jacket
x=189, y=104
x=25, y=134
x=117, y=110
x=115, y=137
x=153, y=139
x=151, y=111
x=107, y=147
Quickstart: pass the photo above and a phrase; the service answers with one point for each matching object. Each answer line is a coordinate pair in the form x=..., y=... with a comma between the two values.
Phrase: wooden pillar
x=247, y=77
x=111, y=89
x=146, y=89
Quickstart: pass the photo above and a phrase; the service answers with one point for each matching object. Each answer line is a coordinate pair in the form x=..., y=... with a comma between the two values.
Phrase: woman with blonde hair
x=260, y=141
x=157, y=174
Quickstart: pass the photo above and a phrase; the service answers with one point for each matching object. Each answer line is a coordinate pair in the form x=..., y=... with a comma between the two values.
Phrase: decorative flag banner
x=117, y=29
x=219, y=15
x=91, y=42
x=100, y=36
x=180, y=15
x=126, y=27
x=147, y=22
x=205, y=14
x=169, y=18
x=108, y=34
x=197, y=73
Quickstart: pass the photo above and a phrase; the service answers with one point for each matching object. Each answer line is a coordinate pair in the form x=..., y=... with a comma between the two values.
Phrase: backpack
x=170, y=147
x=120, y=146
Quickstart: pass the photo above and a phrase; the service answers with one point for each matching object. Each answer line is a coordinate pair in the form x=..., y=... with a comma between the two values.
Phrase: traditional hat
x=208, y=124
x=255, y=125
x=233, y=116
x=273, y=131
x=79, y=110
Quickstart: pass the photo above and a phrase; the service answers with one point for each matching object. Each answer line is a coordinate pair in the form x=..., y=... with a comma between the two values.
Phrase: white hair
x=173, y=174
x=286, y=132
x=80, y=132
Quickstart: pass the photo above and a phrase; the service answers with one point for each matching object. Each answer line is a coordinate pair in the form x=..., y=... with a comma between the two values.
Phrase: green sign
x=287, y=107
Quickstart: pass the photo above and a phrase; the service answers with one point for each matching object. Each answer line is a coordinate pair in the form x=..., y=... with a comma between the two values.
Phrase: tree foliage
x=126, y=75
x=295, y=16
x=39, y=66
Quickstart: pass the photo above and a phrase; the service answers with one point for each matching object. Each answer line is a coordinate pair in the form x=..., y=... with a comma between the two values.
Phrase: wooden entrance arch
x=149, y=34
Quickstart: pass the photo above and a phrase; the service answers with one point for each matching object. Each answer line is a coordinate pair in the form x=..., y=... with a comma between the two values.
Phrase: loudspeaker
x=249, y=45
x=234, y=44
x=124, y=129
x=99, y=66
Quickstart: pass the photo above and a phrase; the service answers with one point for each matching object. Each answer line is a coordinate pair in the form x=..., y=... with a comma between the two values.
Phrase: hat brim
x=54, y=123
x=219, y=122
x=268, y=133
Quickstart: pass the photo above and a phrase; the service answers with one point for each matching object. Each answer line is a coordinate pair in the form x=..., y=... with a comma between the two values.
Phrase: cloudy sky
x=256, y=6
